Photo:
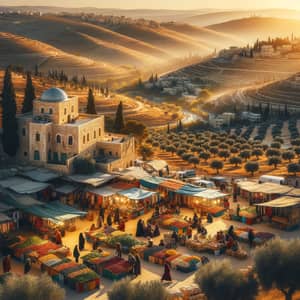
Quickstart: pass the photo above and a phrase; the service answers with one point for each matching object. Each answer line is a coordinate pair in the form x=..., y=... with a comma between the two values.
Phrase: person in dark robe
x=209, y=218
x=238, y=209
x=27, y=266
x=109, y=220
x=167, y=273
x=149, y=231
x=99, y=222
x=161, y=243
x=95, y=244
x=195, y=220
x=117, y=216
x=175, y=237
x=81, y=241
x=251, y=237
x=6, y=264
x=118, y=250
x=102, y=212
x=156, y=231
x=231, y=232
x=137, y=265
x=76, y=253
x=122, y=225
x=131, y=261
x=139, y=229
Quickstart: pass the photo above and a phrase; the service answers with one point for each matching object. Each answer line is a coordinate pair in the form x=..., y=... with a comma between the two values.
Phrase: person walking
x=6, y=264
x=167, y=273
x=58, y=240
x=27, y=266
x=81, y=241
x=109, y=220
x=76, y=253
x=131, y=261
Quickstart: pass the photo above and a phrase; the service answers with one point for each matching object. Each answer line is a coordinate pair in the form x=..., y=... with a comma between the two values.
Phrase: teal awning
x=190, y=190
x=151, y=183
x=136, y=194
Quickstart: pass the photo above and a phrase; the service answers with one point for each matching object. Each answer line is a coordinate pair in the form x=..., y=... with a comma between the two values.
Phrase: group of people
x=143, y=230
x=6, y=264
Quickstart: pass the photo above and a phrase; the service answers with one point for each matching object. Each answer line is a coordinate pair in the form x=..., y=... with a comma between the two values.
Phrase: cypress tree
x=29, y=95
x=119, y=120
x=91, y=108
x=10, y=139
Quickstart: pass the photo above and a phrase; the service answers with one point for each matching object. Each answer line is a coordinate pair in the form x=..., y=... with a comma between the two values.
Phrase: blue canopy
x=151, y=183
x=136, y=194
x=190, y=190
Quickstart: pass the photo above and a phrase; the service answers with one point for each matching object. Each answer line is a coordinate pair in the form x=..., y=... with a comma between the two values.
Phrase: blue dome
x=54, y=95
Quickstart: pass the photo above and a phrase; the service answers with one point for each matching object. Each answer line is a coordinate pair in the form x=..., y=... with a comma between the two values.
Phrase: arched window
x=99, y=131
x=23, y=131
x=88, y=137
x=83, y=140
x=58, y=139
x=50, y=111
x=70, y=140
x=37, y=137
x=42, y=110
x=94, y=134
x=65, y=111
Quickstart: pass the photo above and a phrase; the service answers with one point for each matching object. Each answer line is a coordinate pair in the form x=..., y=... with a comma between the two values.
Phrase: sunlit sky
x=163, y=4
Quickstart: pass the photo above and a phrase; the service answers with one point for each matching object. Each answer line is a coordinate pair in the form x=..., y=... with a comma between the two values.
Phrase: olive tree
x=251, y=167
x=277, y=264
x=293, y=168
x=217, y=165
x=219, y=280
x=274, y=161
x=194, y=160
x=235, y=160
x=288, y=155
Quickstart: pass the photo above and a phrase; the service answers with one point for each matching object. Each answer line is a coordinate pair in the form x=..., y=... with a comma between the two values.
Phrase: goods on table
x=178, y=261
x=126, y=240
x=205, y=245
x=95, y=260
x=76, y=276
x=240, y=253
x=190, y=292
x=34, y=246
x=259, y=236
x=174, y=223
x=116, y=268
x=247, y=215
x=98, y=235
x=215, y=211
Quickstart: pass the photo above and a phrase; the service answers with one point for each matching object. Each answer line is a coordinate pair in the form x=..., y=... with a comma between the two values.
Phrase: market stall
x=283, y=212
x=6, y=224
x=76, y=276
x=185, y=194
x=66, y=193
x=247, y=215
x=151, y=183
x=133, y=202
x=209, y=201
x=168, y=189
x=255, y=192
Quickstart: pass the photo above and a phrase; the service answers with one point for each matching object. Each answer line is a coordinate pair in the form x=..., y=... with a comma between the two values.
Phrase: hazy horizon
x=167, y=4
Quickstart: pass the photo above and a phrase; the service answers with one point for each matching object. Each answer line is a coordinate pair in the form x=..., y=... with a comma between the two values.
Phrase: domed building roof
x=54, y=95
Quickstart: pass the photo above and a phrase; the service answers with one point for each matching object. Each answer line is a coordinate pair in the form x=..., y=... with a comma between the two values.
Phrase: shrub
x=293, y=168
x=235, y=160
x=30, y=287
x=274, y=161
x=288, y=155
x=146, y=151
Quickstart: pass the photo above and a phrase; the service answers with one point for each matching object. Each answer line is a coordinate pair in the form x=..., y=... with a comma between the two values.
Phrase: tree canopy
x=119, y=119
x=91, y=108
x=29, y=95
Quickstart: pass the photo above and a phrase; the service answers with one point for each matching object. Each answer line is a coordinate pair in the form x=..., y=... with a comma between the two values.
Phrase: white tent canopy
x=210, y=194
x=94, y=180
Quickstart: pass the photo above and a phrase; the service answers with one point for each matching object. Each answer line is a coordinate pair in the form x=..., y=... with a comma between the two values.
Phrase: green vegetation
x=219, y=279
x=29, y=95
x=30, y=287
x=277, y=266
x=91, y=108
x=10, y=137
x=119, y=119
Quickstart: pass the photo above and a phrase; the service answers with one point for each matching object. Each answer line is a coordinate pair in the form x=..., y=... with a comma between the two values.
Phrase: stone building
x=54, y=134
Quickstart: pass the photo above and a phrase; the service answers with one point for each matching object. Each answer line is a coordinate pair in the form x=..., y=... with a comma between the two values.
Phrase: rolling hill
x=249, y=29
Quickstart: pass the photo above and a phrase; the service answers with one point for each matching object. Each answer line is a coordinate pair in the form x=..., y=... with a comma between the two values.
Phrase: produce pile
x=96, y=261
x=216, y=211
x=22, y=247
x=116, y=268
x=159, y=255
x=77, y=276
x=126, y=240
x=205, y=245
x=259, y=237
